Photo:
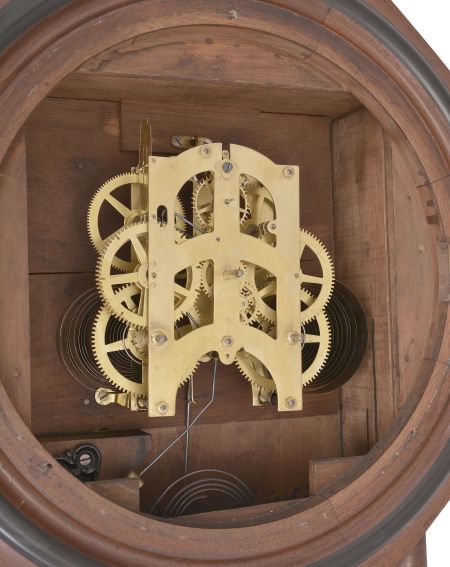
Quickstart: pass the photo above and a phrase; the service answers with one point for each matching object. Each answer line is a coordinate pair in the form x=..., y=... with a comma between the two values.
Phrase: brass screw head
x=290, y=403
x=288, y=171
x=159, y=338
x=162, y=407
x=227, y=341
x=142, y=403
x=205, y=151
x=294, y=337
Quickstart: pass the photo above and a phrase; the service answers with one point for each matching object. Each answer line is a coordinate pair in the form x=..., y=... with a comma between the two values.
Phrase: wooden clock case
x=349, y=91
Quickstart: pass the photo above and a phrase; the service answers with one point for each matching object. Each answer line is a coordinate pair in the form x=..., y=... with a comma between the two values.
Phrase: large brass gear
x=203, y=203
x=325, y=280
x=266, y=283
x=102, y=349
x=258, y=374
x=133, y=341
x=105, y=194
x=138, y=278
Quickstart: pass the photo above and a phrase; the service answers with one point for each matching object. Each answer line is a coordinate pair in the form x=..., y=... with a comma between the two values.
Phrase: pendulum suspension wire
x=191, y=424
x=190, y=399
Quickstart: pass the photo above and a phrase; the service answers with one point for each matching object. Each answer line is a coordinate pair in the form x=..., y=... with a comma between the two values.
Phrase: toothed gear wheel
x=105, y=194
x=264, y=291
x=203, y=203
x=325, y=281
x=204, y=306
x=139, y=343
x=106, y=353
x=130, y=342
x=207, y=277
x=186, y=282
x=316, y=332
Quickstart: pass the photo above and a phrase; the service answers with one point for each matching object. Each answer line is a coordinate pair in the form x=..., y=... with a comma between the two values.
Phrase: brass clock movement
x=209, y=262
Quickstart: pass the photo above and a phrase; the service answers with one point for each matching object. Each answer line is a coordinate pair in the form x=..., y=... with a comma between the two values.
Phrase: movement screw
x=294, y=337
x=85, y=459
x=159, y=338
x=227, y=341
x=162, y=407
x=176, y=142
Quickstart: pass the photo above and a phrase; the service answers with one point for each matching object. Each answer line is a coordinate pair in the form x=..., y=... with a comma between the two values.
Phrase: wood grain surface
x=362, y=263
x=15, y=318
x=121, y=491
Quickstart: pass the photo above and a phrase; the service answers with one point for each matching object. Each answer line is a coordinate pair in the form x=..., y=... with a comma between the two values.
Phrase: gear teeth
x=253, y=370
x=204, y=285
x=325, y=355
x=206, y=221
x=106, y=292
x=244, y=195
x=190, y=300
x=327, y=267
x=96, y=203
x=197, y=186
x=189, y=373
x=250, y=378
x=94, y=210
x=122, y=383
x=261, y=309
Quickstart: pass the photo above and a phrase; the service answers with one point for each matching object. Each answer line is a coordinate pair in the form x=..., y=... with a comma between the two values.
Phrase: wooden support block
x=120, y=454
x=323, y=472
x=121, y=491
x=14, y=294
x=362, y=263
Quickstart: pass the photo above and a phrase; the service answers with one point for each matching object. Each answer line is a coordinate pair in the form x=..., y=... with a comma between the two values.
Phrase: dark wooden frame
x=399, y=487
